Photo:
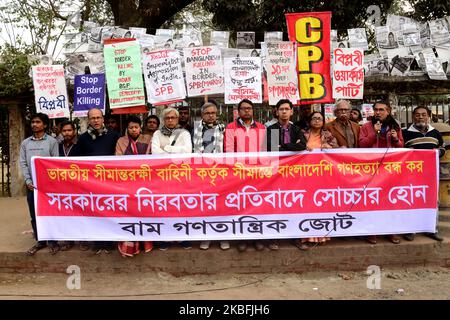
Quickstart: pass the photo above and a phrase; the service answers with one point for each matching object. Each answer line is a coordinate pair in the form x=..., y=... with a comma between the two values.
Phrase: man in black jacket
x=98, y=141
x=283, y=135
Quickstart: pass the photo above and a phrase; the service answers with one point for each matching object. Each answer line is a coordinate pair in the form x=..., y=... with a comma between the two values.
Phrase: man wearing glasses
x=208, y=138
x=345, y=131
x=168, y=140
x=283, y=135
x=245, y=135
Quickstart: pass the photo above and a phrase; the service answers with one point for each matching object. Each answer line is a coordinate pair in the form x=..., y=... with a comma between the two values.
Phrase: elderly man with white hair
x=345, y=131
x=168, y=140
x=208, y=138
x=171, y=138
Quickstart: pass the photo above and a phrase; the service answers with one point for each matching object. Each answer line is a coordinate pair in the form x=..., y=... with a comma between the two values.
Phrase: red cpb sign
x=311, y=31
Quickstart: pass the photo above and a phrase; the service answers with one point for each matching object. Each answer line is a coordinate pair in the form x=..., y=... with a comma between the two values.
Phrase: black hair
x=359, y=113
x=134, y=119
x=42, y=116
x=381, y=102
x=311, y=116
x=244, y=101
x=67, y=123
x=153, y=117
x=283, y=101
x=112, y=116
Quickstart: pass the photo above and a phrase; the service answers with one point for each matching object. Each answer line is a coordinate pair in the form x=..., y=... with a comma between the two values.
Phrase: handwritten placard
x=163, y=76
x=242, y=79
x=124, y=74
x=281, y=73
x=348, y=73
x=204, y=71
x=50, y=91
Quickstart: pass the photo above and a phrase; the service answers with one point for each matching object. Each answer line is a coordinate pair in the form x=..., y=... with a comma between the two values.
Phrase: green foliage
x=14, y=72
x=250, y=15
x=425, y=10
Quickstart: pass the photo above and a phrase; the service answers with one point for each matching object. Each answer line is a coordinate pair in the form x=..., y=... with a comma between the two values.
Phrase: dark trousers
x=30, y=200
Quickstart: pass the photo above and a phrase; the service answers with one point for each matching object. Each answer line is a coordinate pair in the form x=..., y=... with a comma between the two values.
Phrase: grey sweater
x=30, y=147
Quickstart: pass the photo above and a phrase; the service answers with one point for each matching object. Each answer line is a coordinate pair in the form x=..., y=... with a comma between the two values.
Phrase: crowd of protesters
x=174, y=133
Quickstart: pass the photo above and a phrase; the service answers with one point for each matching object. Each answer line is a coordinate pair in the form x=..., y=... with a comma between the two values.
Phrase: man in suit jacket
x=283, y=135
x=345, y=131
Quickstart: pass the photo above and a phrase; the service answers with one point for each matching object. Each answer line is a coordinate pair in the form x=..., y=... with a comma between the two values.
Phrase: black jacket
x=295, y=133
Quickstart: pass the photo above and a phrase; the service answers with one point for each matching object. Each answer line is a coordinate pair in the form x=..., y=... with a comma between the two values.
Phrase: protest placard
x=280, y=66
x=311, y=31
x=348, y=73
x=124, y=73
x=204, y=71
x=89, y=92
x=163, y=76
x=50, y=91
x=242, y=79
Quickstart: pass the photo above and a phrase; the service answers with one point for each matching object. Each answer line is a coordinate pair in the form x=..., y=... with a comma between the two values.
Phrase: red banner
x=311, y=31
x=333, y=193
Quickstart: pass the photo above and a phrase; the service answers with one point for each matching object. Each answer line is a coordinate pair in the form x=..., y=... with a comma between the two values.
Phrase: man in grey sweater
x=39, y=144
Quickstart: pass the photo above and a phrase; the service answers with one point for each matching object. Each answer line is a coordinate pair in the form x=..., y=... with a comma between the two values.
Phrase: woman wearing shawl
x=317, y=138
x=133, y=143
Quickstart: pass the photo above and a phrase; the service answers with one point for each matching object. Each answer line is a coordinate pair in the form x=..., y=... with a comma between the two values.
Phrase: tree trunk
x=150, y=14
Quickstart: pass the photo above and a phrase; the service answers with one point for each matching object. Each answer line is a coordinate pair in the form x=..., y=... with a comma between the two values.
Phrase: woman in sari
x=317, y=137
x=133, y=143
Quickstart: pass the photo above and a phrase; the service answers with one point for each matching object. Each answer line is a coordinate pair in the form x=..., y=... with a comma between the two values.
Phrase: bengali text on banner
x=237, y=196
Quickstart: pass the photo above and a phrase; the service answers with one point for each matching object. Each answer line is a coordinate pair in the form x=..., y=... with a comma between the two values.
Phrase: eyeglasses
x=170, y=118
x=316, y=119
x=210, y=113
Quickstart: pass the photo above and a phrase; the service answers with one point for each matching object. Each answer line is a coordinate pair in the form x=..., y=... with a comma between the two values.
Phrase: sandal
x=394, y=239
x=372, y=239
x=302, y=245
x=37, y=246
x=54, y=248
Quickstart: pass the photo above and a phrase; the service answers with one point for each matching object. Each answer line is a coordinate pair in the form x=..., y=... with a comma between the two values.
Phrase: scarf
x=94, y=133
x=168, y=132
x=216, y=145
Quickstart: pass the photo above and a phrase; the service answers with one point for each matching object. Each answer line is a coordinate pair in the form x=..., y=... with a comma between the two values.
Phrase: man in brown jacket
x=345, y=131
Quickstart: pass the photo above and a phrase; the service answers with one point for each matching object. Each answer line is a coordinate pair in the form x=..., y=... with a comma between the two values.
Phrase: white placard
x=50, y=91
x=163, y=76
x=204, y=71
x=242, y=79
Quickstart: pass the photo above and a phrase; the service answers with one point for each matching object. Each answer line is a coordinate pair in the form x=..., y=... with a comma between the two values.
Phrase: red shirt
x=239, y=138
